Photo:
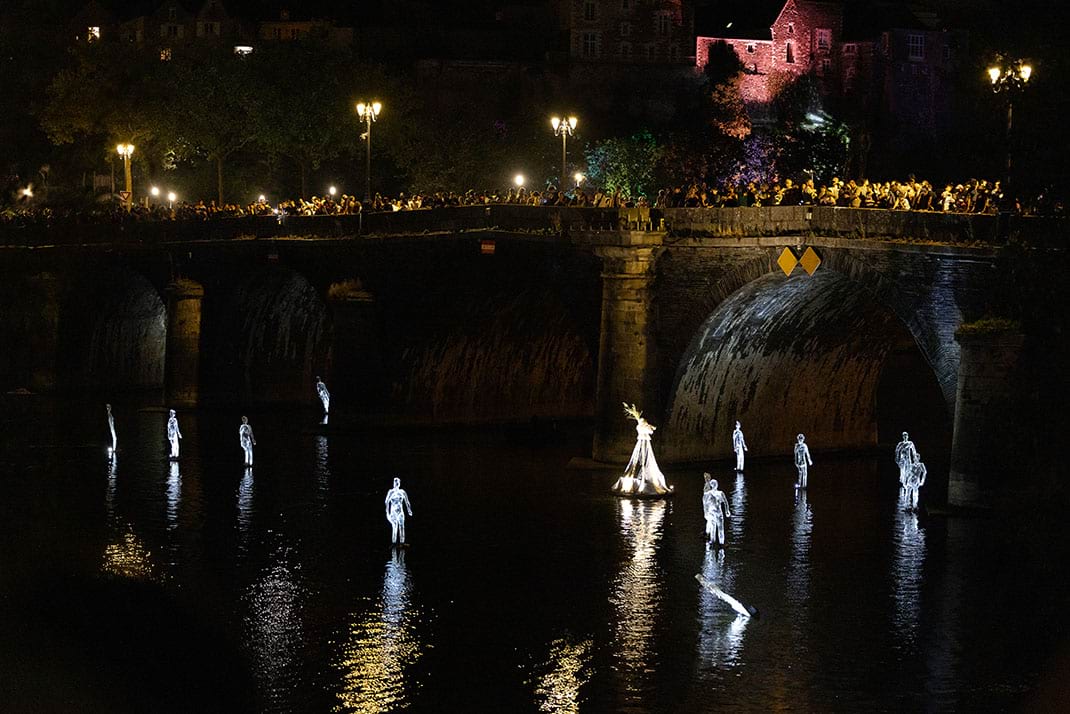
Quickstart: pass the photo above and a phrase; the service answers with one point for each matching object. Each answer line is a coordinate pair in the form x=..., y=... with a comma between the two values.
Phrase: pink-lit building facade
x=885, y=59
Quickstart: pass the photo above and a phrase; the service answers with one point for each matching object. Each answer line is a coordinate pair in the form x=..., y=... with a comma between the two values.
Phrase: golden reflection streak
x=636, y=589
x=559, y=689
x=381, y=646
x=128, y=558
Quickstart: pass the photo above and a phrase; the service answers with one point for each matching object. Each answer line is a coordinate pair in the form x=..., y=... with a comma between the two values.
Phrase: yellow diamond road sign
x=809, y=261
x=787, y=261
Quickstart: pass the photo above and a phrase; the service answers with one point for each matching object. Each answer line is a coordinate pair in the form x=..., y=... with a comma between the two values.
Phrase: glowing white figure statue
x=739, y=445
x=245, y=437
x=906, y=455
x=324, y=395
x=111, y=427
x=173, y=434
x=397, y=502
x=802, y=459
x=642, y=477
x=915, y=480
x=715, y=508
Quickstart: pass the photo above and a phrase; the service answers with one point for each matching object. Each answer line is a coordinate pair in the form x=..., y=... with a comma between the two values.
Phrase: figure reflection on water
x=245, y=507
x=799, y=568
x=274, y=633
x=381, y=646
x=323, y=471
x=721, y=626
x=636, y=593
x=109, y=493
x=174, y=494
x=739, y=509
x=907, y=569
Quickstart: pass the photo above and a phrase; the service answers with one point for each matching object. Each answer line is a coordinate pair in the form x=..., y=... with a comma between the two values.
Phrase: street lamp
x=564, y=129
x=1010, y=78
x=518, y=180
x=126, y=151
x=171, y=198
x=333, y=191
x=369, y=113
x=579, y=178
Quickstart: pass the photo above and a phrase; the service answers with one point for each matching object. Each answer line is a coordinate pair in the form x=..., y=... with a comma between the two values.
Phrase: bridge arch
x=842, y=355
x=112, y=331
x=265, y=337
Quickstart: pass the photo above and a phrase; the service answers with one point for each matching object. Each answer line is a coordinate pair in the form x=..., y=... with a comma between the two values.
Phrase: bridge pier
x=183, y=358
x=983, y=446
x=627, y=352
x=355, y=370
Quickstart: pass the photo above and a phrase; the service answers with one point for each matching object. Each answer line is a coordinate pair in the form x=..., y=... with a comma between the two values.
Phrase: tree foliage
x=628, y=165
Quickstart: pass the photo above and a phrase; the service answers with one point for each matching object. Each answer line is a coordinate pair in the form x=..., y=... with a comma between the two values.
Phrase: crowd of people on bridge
x=972, y=196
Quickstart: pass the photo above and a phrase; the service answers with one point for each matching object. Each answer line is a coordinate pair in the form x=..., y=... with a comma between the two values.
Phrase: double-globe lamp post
x=368, y=113
x=1009, y=78
x=563, y=128
x=126, y=151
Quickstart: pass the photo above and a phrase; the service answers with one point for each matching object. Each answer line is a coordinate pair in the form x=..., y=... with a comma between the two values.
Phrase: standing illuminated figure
x=915, y=480
x=715, y=509
x=173, y=434
x=324, y=395
x=906, y=455
x=111, y=427
x=642, y=477
x=245, y=436
x=739, y=445
x=397, y=502
x=802, y=459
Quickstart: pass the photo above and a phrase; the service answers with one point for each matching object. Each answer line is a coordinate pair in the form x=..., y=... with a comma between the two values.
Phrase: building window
x=243, y=50
x=92, y=34
x=751, y=48
x=850, y=48
x=791, y=28
x=625, y=29
x=165, y=54
x=824, y=39
x=589, y=10
x=916, y=47
x=276, y=33
x=824, y=66
x=849, y=79
x=663, y=24
x=590, y=44
x=171, y=31
x=172, y=13
x=789, y=53
x=625, y=50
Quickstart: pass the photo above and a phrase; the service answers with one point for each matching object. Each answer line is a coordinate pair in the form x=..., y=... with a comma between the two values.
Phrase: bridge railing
x=695, y=222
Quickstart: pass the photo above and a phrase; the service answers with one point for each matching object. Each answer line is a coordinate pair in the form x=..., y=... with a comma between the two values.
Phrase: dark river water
x=204, y=587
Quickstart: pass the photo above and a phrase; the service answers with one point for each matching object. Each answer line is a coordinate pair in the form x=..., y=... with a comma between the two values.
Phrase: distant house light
x=92, y=33
x=242, y=50
x=165, y=54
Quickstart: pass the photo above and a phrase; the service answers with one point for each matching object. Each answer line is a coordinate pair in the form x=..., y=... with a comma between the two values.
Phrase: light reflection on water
x=636, y=593
x=909, y=560
x=721, y=635
x=273, y=626
x=245, y=510
x=381, y=646
x=566, y=670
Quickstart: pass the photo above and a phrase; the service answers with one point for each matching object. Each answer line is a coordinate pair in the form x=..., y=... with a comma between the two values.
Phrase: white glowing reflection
x=174, y=494
x=109, y=492
x=636, y=593
x=273, y=626
x=128, y=558
x=565, y=672
x=381, y=646
x=739, y=509
x=323, y=471
x=721, y=627
x=245, y=506
x=799, y=568
x=907, y=572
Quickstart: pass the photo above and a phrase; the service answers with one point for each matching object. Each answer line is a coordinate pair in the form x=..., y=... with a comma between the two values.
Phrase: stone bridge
x=498, y=313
